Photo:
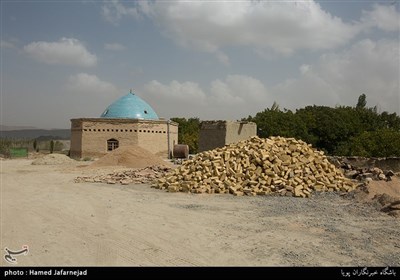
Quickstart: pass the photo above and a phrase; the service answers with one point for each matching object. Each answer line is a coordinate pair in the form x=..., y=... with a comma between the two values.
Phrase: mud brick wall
x=216, y=134
x=89, y=136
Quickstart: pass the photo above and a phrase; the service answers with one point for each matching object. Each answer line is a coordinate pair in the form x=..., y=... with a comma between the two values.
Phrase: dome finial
x=130, y=90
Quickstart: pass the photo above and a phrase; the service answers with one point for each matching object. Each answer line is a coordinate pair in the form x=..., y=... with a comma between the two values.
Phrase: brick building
x=128, y=121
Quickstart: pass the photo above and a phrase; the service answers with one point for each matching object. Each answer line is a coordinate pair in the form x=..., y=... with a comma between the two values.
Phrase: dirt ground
x=91, y=224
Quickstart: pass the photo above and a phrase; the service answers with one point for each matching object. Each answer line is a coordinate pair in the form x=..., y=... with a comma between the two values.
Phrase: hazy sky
x=208, y=59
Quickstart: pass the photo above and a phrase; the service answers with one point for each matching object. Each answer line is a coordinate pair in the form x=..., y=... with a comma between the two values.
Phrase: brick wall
x=89, y=136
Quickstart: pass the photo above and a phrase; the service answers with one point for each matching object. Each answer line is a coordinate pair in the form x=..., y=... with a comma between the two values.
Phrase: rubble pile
x=276, y=165
x=392, y=208
x=142, y=175
x=366, y=174
x=54, y=159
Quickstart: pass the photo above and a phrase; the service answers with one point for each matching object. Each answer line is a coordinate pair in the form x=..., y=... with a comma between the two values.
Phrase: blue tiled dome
x=130, y=106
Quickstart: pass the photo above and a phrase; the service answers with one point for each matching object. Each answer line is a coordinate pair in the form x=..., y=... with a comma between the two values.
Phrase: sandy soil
x=87, y=224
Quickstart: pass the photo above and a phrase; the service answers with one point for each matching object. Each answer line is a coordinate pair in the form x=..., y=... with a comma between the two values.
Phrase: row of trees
x=7, y=143
x=343, y=130
x=52, y=146
x=32, y=144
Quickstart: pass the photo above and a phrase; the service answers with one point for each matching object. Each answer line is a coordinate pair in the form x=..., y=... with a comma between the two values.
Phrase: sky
x=208, y=59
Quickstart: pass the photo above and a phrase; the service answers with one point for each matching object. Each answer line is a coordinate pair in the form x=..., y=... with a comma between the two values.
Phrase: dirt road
x=87, y=224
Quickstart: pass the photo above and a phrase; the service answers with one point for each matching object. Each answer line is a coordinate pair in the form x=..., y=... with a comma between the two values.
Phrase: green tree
x=380, y=143
x=342, y=130
x=51, y=146
x=274, y=122
x=275, y=107
x=362, y=101
x=35, y=144
x=188, y=132
x=390, y=120
x=58, y=146
x=328, y=126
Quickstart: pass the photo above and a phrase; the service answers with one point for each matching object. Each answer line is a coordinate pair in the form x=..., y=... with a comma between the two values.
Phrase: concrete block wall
x=238, y=131
x=214, y=134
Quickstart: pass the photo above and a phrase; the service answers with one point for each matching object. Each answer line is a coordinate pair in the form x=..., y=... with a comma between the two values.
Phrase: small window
x=140, y=130
x=84, y=129
x=130, y=130
x=116, y=130
x=145, y=111
x=135, y=130
x=112, y=144
x=104, y=129
x=163, y=131
x=152, y=131
x=108, y=129
x=90, y=129
x=112, y=130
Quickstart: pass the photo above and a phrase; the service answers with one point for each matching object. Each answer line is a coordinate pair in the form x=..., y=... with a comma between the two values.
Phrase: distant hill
x=62, y=134
x=9, y=127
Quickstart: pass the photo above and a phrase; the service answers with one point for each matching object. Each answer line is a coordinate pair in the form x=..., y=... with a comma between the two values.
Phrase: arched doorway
x=112, y=144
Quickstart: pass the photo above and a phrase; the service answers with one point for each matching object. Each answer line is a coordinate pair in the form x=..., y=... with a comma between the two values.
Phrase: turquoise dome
x=130, y=106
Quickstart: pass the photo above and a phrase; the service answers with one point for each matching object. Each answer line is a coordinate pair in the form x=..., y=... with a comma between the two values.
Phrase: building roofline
x=121, y=120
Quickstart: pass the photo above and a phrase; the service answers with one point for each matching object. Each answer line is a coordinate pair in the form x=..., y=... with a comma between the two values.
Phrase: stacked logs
x=276, y=165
